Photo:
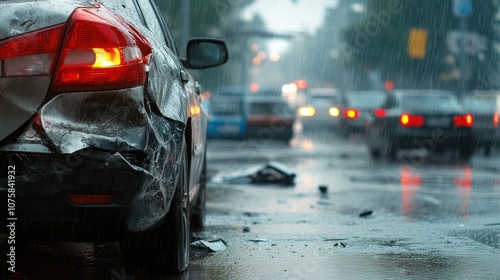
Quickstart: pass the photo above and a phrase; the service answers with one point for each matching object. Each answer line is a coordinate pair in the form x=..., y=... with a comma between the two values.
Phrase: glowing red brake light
x=31, y=53
x=100, y=52
x=495, y=119
x=408, y=120
x=463, y=121
x=351, y=113
x=380, y=113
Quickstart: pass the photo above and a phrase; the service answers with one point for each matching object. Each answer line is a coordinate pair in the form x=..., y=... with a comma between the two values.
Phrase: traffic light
x=417, y=43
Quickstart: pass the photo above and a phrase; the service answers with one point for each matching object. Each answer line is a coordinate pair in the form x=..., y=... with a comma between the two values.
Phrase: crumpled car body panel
x=77, y=142
x=79, y=127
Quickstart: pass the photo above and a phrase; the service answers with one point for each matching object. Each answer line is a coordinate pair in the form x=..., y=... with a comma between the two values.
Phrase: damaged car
x=102, y=136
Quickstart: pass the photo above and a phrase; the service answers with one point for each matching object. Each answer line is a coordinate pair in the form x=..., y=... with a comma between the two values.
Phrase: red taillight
x=100, y=52
x=408, y=120
x=380, y=113
x=31, y=53
x=495, y=119
x=351, y=113
x=90, y=198
x=463, y=121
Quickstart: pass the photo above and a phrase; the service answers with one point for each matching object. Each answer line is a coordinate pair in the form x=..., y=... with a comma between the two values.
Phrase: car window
x=152, y=22
x=479, y=105
x=269, y=108
x=365, y=100
x=429, y=102
x=126, y=7
x=324, y=100
x=226, y=105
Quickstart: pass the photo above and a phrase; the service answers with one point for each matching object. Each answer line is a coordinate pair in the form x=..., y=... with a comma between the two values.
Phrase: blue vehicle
x=228, y=111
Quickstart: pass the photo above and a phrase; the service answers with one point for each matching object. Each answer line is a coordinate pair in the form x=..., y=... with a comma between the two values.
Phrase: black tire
x=164, y=250
x=178, y=245
x=199, y=211
x=286, y=134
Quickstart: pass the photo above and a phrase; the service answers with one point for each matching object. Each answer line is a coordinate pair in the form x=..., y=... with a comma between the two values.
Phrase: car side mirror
x=204, y=53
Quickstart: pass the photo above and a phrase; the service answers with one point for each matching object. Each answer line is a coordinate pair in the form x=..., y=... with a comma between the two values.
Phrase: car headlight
x=307, y=111
x=334, y=112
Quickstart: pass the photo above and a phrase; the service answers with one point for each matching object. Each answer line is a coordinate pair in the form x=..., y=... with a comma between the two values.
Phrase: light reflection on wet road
x=432, y=218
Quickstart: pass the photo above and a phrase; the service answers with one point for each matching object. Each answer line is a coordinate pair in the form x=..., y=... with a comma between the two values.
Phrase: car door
x=185, y=87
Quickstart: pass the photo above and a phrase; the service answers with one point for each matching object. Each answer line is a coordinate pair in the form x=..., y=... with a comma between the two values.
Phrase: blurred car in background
x=322, y=109
x=485, y=106
x=270, y=116
x=358, y=110
x=227, y=113
x=101, y=123
x=420, y=119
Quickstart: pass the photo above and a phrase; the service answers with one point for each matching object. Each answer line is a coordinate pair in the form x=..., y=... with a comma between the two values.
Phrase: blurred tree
x=207, y=18
x=204, y=15
x=380, y=41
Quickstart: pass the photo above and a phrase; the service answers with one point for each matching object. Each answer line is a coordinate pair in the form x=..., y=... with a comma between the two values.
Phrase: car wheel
x=164, y=250
x=199, y=211
x=287, y=134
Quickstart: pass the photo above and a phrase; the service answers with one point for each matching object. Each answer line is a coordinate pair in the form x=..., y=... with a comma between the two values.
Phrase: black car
x=102, y=137
x=358, y=110
x=485, y=107
x=421, y=119
x=270, y=117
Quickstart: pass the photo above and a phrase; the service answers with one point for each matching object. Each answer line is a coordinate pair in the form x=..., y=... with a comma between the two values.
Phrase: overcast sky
x=286, y=16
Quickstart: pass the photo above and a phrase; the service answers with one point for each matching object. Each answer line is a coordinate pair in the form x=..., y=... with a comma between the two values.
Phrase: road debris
x=256, y=240
x=268, y=173
x=217, y=245
x=323, y=188
x=250, y=214
x=335, y=239
x=246, y=229
x=366, y=213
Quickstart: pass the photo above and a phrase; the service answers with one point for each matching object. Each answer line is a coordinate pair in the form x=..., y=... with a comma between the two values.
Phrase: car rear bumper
x=226, y=129
x=431, y=139
x=319, y=121
x=271, y=129
x=44, y=181
x=486, y=136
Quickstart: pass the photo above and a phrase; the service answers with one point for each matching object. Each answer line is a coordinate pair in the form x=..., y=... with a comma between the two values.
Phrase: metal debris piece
x=250, y=214
x=366, y=213
x=323, y=188
x=214, y=246
x=335, y=239
x=341, y=244
x=268, y=173
x=256, y=240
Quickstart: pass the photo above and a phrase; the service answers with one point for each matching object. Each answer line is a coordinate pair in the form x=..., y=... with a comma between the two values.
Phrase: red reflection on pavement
x=464, y=183
x=410, y=183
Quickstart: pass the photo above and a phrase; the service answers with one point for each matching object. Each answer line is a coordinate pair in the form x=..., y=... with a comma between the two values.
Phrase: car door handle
x=184, y=76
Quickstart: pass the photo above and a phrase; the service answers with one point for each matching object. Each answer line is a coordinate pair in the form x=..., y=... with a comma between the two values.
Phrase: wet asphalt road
x=427, y=218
